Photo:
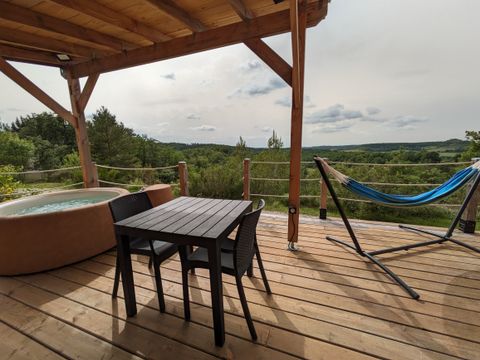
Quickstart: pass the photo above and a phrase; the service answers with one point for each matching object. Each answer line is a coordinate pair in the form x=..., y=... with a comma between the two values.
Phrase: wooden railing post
x=469, y=217
x=246, y=179
x=95, y=182
x=183, y=177
x=323, y=199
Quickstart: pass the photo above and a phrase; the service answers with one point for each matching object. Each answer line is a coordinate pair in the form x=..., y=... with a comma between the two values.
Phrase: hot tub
x=47, y=231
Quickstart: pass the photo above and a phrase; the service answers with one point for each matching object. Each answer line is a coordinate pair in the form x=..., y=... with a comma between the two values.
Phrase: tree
x=112, y=143
x=48, y=127
x=52, y=136
x=15, y=151
x=241, y=148
x=275, y=142
x=474, y=146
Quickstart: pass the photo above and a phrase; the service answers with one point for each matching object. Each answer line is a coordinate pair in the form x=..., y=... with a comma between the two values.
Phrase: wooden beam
x=173, y=10
x=241, y=9
x=88, y=171
x=28, y=17
x=271, y=58
x=87, y=91
x=109, y=16
x=33, y=56
x=267, y=25
x=298, y=24
x=35, y=91
x=49, y=44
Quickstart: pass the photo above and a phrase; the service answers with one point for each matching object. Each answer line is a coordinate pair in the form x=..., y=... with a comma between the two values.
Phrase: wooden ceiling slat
x=28, y=17
x=101, y=12
x=32, y=56
x=170, y=8
x=49, y=44
x=258, y=27
x=241, y=9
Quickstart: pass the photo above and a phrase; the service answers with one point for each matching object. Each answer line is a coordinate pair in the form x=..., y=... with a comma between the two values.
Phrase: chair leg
x=262, y=270
x=150, y=262
x=190, y=251
x=246, y=311
x=250, y=270
x=158, y=283
x=186, y=298
x=116, y=280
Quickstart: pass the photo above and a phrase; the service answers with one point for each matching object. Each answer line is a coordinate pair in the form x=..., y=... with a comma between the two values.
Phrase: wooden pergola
x=88, y=38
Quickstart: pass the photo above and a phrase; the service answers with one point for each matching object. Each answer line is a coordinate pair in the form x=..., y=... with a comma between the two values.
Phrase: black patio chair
x=234, y=263
x=228, y=245
x=158, y=251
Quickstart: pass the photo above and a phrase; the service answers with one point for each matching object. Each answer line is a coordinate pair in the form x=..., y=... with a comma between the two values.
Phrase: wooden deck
x=327, y=303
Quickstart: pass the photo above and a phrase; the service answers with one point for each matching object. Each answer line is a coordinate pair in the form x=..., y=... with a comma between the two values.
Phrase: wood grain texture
x=327, y=303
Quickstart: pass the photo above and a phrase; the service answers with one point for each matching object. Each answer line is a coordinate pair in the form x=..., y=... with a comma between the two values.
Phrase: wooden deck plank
x=126, y=335
x=304, y=347
x=313, y=328
x=365, y=306
x=327, y=303
x=15, y=345
x=331, y=315
x=63, y=338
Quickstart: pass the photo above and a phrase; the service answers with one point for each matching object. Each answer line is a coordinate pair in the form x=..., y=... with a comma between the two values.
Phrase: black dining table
x=184, y=221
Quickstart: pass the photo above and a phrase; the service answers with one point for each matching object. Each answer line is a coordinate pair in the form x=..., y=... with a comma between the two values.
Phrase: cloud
x=204, y=128
x=193, y=117
x=261, y=89
x=251, y=66
x=332, y=128
x=407, y=122
x=165, y=101
x=266, y=129
x=332, y=114
x=371, y=110
x=373, y=119
x=287, y=102
x=170, y=76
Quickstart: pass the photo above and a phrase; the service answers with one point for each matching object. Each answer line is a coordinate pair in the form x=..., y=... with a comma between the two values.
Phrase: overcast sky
x=376, y=71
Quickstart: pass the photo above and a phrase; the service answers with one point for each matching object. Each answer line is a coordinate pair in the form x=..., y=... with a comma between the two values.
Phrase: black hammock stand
x=371, y=255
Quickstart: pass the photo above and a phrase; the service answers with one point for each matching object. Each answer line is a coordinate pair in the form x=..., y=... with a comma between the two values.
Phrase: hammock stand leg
x=448, y=235
x=356, y=245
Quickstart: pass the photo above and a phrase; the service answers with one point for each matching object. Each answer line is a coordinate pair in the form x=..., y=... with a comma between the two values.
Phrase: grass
x=441, y=221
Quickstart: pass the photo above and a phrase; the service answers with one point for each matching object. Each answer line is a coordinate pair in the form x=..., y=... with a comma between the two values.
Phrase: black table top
x=188, y=216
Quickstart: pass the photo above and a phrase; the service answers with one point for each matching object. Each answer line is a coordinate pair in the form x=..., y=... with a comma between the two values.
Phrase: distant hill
x=452, y=146
x=448, y=146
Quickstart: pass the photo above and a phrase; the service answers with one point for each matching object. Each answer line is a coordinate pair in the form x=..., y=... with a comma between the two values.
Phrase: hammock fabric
x=450, y=186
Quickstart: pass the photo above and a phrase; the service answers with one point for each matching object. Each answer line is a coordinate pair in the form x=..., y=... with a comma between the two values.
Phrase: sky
x=376, y=71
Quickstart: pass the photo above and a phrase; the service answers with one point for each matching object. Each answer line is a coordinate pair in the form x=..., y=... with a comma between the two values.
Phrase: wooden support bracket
x=36, y=92
x=271, y=58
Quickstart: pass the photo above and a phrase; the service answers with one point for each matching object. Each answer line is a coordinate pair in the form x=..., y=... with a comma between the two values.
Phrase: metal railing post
x=469, y=217
x=323, y=199
x=246, y=179
x=183, y=177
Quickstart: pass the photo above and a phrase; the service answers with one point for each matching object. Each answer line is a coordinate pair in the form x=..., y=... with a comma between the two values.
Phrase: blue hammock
x=454, y=183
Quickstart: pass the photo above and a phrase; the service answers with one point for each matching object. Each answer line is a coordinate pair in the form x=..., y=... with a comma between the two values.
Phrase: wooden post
x=89, y=179
x=95, y=174
x=298, y=20
x=246, y=179
x=323, y=199
x=183, y=177
x=469, y=217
